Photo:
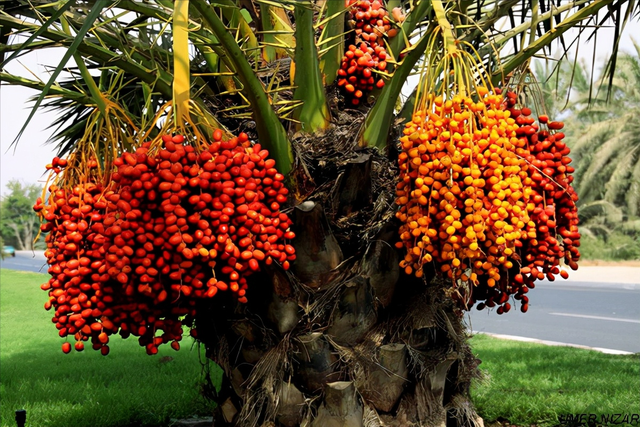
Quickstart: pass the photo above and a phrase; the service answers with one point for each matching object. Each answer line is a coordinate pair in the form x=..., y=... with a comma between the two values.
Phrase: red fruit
x=66, y=347
x=555, y=125
x=103, y=338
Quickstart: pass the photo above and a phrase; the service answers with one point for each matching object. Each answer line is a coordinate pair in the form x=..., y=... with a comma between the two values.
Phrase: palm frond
x=618, y=180
x=630, y=227
x=270, y=130
x=590, y=137
x=607, y=212
x=599, y=160
x=595, y=231
x=96, y=10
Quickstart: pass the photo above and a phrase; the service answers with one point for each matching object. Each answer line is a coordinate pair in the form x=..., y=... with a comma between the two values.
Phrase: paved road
x=584, y=311
x=594, y=314
x=26, y=261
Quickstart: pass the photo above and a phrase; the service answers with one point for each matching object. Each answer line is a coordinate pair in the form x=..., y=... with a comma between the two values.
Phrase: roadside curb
x=33, y=254
x=605, y=274
x=552, y=343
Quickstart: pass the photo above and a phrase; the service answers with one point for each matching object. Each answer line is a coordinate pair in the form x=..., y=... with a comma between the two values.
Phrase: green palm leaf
x=96, y=10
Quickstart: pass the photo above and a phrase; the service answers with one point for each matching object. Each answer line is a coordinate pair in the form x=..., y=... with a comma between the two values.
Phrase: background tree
x=604, y=146
x=607, y=147
x=18, y=226
x=345, y=337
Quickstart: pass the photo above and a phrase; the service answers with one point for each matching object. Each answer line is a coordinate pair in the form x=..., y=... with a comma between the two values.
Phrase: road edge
x=552, y=343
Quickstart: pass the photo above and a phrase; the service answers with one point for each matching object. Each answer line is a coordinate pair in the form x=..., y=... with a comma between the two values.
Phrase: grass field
x=125, y=388
x=534, y=384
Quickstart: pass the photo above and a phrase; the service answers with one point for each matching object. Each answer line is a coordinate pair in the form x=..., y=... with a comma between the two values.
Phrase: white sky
x=27, y=161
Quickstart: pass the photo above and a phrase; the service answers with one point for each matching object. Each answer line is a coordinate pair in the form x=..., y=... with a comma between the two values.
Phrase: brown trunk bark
x=345, y=338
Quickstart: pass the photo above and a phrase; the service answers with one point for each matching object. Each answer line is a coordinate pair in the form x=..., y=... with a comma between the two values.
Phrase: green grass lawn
x=534, y=384
x=125, y=388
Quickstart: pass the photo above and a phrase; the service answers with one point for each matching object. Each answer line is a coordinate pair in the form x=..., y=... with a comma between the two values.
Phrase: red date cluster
x=554, y=211
x=168, y=229
x=366, y=53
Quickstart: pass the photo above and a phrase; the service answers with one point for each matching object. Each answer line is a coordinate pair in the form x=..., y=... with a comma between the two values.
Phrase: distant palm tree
x=606, y=143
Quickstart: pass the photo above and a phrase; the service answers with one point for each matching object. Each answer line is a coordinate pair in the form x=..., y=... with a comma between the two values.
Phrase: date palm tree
x=344, y=338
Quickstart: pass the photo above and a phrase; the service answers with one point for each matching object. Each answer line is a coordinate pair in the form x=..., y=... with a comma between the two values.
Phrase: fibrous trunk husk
x=316, y=361
x=344, y=338
x=291, y=405
x=341, y=406
x=430, y=393
x=353, y=188
x=380, y=266
x=354, y=313
x=317, y=250
x=383, y=384
x=285, y=313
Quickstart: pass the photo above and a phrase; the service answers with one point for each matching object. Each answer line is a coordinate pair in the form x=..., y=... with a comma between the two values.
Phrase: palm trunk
x=16, y=231
x=346, y=339
x=28, y=235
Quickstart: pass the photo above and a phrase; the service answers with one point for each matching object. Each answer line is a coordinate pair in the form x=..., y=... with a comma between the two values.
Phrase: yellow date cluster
x=464, y=188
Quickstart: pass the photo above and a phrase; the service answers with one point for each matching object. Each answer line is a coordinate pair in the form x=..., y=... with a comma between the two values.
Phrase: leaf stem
x=313, y=114
x=380, y=119
x=333, y=36
x=270, y=131
x=181, y=73
x=96, y=95
x=568, y=23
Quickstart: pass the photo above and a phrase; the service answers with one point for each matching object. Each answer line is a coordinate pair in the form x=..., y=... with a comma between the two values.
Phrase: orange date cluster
x=486, y=195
